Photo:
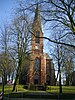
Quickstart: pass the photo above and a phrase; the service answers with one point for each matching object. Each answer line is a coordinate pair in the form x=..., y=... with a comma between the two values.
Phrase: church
x=41, y=68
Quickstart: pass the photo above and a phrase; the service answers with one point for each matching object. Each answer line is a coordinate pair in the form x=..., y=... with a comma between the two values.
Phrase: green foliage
x=25, y=87
x=33, y=87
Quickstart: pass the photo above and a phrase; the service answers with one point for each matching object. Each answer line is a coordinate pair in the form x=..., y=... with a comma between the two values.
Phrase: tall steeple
x=37, y=67
x=37, y=43
x=37, y=18
x=37, y=13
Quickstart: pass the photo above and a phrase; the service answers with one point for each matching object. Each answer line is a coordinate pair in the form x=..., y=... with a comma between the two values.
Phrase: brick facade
x=37, y=52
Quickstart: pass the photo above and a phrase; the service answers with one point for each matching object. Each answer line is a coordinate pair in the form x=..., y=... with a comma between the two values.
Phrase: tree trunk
x=14, y=87
x=60, y=89
x=3, y=84
x=17, y=75
x=67, y=80
x=60, y=86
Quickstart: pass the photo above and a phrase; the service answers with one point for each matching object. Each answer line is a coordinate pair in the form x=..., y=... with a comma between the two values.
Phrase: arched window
x=37, y=40
x=36, y=71
x=36, y=64
x=48, y=79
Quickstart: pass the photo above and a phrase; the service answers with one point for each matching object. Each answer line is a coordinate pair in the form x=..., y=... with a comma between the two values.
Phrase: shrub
x=25, y=87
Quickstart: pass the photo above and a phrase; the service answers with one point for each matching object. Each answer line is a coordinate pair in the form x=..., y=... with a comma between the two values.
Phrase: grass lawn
x=8, y=89
x=50, y=89
x=65, y=89
x=68, y=92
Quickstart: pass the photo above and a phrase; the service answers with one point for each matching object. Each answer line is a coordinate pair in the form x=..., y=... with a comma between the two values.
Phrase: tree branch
x=53, y=40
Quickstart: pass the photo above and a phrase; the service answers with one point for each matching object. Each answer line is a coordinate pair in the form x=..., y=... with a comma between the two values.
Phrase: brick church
x=41, y=68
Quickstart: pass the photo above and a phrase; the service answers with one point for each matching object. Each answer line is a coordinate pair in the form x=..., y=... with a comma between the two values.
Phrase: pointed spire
x=37, y=13
x=37, y=18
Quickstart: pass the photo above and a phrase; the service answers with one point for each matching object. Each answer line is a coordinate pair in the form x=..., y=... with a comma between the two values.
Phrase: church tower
x=37, y=43
x=40, y=68
x=37, y=72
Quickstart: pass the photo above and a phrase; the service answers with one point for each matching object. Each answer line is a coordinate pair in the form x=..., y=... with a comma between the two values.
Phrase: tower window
x=36, y=70
x=36, y=64
x=37, y=40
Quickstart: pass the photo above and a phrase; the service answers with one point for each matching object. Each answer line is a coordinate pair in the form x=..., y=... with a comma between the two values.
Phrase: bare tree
x=6, y=68
x=22, y=42
x=56, y=53
x=61, y=11
x=57, y=13
x=68, y=64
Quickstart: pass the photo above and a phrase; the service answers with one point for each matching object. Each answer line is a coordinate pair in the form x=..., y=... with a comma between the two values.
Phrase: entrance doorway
x=35, y=81
x=36, y=78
